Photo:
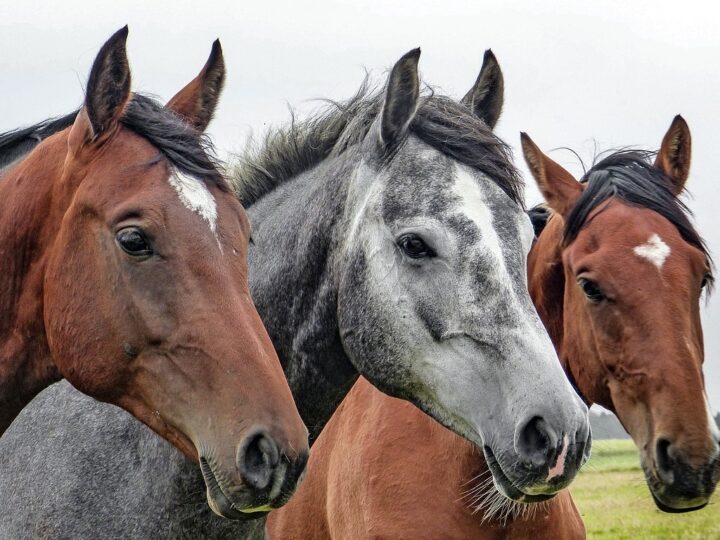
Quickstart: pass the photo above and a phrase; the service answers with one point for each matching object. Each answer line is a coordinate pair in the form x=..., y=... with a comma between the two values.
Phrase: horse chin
x=666, y=502
x=219, y=502
x=677, y=500
x=693, y=505
x=506, y=487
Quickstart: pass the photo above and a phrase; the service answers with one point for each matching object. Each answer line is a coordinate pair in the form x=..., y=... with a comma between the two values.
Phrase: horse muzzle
x=267, y=479
x=677, y=487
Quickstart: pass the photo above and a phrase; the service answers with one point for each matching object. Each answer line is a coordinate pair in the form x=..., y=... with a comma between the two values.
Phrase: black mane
x=630, y=176
x=18, y=142
x=186, y=149
x=445, y=124
x=191, y=152
x=539, y=215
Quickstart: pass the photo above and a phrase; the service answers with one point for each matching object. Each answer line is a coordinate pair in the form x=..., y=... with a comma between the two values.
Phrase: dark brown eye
x=134, y=242
x=414, y=247
x=707, y=280
x=591, y=290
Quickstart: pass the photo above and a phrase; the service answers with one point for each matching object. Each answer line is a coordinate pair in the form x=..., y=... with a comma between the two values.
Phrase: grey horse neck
x=295, y=235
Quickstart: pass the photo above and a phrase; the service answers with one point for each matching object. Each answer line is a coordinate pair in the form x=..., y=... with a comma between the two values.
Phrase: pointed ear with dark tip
x=108, y=87
x=559, y=188
x=675, y=152
x=401, y=99
x=486, y=96
x=106, y=95
x=197, y=102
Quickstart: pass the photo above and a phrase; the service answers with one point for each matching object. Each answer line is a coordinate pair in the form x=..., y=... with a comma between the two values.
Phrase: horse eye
x=134, y=242
x=591, y=290
x=414, y=247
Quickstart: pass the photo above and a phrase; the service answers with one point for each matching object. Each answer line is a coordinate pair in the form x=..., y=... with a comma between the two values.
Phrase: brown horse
x=617, y=276
x=623, y=313
x=125, y=271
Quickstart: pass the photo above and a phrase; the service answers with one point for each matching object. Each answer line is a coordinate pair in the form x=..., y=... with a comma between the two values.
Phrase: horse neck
x=295, y=232
x=546, y=281
x=28, y=221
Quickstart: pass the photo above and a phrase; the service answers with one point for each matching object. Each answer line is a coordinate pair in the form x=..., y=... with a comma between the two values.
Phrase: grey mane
x=448, y=126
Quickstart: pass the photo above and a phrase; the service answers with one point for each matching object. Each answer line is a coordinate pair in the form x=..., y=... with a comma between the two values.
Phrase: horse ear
x=559, y=188
x=674, y=155
x=401, y=98
x=197, y=101
x=108, y=87
x=106, y=94
x=486, y=96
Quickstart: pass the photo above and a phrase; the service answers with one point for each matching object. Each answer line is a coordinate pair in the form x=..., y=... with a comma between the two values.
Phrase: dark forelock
x=445, y=124
x=191, y=152
x=631, y=176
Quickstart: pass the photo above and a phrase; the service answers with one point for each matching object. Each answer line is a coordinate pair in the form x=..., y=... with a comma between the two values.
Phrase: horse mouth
x=668, y=503
x=505, y=486
x=221, y=504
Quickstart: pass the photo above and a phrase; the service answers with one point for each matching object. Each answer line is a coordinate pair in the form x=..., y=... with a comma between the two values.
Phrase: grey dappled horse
x=389, y=241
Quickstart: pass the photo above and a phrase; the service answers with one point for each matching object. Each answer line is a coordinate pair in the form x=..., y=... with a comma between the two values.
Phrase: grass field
x=615, y=503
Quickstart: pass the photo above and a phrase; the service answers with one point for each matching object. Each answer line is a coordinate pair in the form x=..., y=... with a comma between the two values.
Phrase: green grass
x=615, y=503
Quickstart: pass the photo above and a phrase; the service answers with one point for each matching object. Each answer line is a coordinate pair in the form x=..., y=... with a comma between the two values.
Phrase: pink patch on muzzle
x=559, y=467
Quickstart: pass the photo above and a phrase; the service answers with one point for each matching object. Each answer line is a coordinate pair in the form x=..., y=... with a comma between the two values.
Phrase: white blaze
x=473, y=204
x=195, y=196
x=654, y=250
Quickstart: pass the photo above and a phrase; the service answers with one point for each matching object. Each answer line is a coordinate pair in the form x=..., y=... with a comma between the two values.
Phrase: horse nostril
x=537, y=442
x=664, y=460
x=258, y=457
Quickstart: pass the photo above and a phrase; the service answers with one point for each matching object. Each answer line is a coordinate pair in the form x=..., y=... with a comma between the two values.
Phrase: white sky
x=577, y=74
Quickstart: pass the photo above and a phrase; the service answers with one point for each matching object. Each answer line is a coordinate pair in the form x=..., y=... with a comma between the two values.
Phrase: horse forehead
x=418, y=183
x=654, y=250
x=194, y=195
x=501, y=224
x=627, y=234
x=423, y=181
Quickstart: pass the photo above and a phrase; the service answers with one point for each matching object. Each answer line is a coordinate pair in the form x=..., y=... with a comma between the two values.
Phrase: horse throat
x=546, y=281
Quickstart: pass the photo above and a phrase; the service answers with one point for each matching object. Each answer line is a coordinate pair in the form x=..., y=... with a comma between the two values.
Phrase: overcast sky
x=577, y=74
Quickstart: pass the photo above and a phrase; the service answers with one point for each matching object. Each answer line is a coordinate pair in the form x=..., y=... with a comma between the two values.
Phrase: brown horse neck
x=27, y=224
x=546, y=279
x=546, y=282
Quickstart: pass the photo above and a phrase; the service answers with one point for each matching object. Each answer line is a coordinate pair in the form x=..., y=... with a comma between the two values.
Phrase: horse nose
x=664, y=460
x=537, y=443
x=269, y=470
x=258, y=458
